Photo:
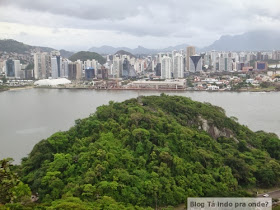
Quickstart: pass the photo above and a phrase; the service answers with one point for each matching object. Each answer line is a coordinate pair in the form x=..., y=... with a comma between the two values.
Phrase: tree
x=11, y=188
x=4, y=79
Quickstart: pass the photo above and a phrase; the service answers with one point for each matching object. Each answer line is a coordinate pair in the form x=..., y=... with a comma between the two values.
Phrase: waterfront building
x=72, y=71
x=178, y=66
x=79, y=68
x=41, y=65
x=56, y=64
x=178, y=84
x=64, y=70
x=166, y=68
x=13, y=69
x=89, y=73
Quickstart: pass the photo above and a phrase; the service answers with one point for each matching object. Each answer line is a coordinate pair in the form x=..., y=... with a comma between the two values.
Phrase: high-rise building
x=225, y=62
x=79, y=65
x=259, y=56
x=56, y=64
x=195, y=63
x=117, y=66
x=72, y=71
x=41, y=65
x=64, y=69
x=13, y=69
x=166, y=67
x=89, y=73
x=126, y=67
x=158, y=69
x=189, y=52
x=94, y=64
x=178, y=66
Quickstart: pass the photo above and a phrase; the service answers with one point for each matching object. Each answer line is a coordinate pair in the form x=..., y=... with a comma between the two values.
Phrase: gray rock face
x=215, y=132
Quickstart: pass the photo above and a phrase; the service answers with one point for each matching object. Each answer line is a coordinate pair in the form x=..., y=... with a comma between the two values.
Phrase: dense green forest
x=86, y=55
x=148, y=152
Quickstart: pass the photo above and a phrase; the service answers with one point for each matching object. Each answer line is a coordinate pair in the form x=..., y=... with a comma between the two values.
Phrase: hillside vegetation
x=10, y=45
x=149, y=152
x=123, y=52
x=13, y=46
x=86, y=55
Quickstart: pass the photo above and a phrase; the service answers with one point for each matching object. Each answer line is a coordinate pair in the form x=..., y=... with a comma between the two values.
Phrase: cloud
x=185, y=21
x=84, y=9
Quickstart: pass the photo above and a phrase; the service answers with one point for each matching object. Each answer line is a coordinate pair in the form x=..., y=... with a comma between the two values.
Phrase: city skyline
x=80, y=25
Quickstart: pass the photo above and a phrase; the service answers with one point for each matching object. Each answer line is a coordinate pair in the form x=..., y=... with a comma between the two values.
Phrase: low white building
x=213, y=87
x=167, y=84
x=52, y=82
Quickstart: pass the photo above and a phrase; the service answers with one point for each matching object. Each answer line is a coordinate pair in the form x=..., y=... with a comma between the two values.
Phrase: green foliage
x=30, y=66
x=85, y=55
x=4, y=79
x=189, y=83
x=265, y=84
x=9, y=45
x=12, y=190
x=150, y=151
x=123, y=52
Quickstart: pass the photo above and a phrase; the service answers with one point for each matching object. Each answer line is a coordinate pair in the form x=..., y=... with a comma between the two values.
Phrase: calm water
x=27, y=116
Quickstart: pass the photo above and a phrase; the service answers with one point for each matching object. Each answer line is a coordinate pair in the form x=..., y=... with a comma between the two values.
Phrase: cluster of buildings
x=177, y=64
x=52, y=65
x=238, y=81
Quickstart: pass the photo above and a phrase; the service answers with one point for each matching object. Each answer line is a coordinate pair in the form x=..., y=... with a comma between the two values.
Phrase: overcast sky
x=81, y=24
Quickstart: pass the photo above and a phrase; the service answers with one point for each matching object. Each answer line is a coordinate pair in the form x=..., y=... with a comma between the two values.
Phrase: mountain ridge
x=249, y=41
x=13, y=46
x=105, y=49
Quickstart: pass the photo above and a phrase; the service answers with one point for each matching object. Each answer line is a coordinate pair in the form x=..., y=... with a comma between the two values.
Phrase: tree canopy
x=150, y=151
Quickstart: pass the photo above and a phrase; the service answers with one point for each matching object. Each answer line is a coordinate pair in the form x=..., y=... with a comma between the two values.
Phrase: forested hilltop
x=148, y=152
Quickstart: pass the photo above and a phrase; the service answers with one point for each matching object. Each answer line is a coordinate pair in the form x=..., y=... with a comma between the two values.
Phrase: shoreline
x=20, y=88
x=152, y=89
x=136, y=89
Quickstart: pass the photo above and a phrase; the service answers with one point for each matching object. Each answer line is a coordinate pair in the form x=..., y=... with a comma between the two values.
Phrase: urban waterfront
x=28, y=116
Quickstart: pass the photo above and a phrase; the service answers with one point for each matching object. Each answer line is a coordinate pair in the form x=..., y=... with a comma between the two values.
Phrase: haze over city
x=79, y=25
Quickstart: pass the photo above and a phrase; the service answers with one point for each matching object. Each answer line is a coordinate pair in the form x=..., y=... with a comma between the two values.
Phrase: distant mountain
x=105, y=50
x=65, y=53
x=177, y=47
x=86, y=55
x=254, y=41
x=137, y=51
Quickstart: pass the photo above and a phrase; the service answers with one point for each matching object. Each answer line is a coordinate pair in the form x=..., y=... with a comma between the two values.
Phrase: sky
x=81, y=24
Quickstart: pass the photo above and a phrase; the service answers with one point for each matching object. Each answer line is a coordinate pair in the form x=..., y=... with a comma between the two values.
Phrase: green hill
x=123, y=52
x=10, y=45
x=152, y=151
x=13, y=46
x=86, y=55
x=65, y=53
